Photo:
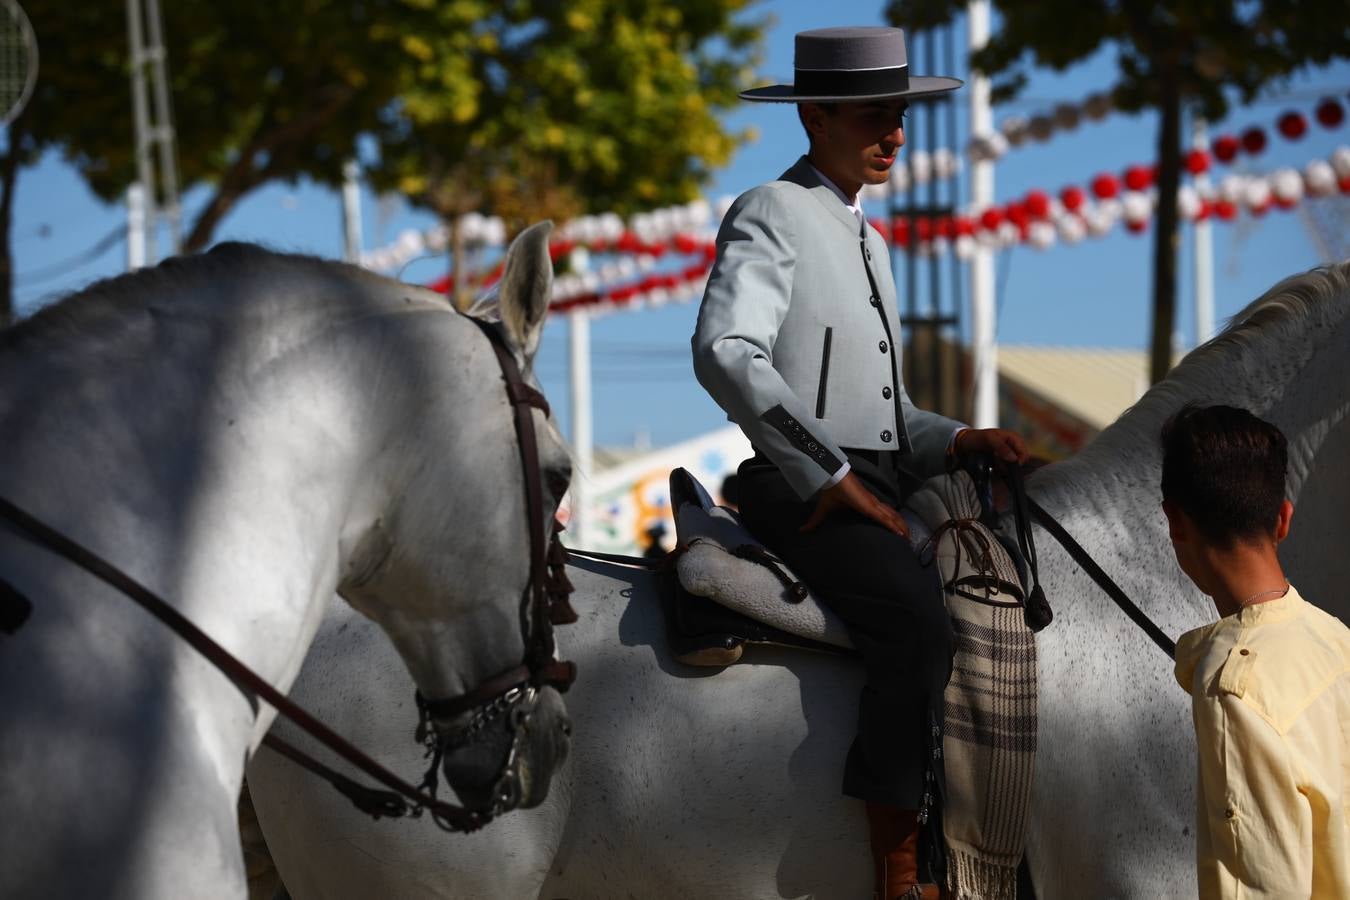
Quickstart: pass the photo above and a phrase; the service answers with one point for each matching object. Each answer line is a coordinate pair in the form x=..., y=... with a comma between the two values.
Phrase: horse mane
x=103, y=307
x=1285, y=316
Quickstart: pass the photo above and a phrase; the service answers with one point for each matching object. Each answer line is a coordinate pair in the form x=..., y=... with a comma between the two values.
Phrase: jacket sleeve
x=748, y=295
x=930, y=434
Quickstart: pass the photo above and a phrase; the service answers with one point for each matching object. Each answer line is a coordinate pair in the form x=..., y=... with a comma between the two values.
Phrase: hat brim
x=919, y=86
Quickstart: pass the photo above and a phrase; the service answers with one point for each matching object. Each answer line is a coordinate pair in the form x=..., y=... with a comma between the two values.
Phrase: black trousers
x=895, y=614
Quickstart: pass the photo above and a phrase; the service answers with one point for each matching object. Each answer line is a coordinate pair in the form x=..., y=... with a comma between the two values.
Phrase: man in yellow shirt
x=1269, y=682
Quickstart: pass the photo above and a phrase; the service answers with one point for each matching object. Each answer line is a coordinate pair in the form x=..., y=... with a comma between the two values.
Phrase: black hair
x=1224, y=468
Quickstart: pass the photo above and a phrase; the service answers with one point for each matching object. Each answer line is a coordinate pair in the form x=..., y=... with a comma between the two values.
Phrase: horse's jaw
x=510, y=764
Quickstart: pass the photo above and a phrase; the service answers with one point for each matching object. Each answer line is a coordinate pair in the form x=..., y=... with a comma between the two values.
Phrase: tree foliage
x=1171, y=54
x=526, y=108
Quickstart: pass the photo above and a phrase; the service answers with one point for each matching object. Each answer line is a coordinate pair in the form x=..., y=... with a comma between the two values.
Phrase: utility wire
x=57, y=269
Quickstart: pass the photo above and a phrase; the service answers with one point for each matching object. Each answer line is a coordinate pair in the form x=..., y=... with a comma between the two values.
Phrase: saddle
x=730, y=591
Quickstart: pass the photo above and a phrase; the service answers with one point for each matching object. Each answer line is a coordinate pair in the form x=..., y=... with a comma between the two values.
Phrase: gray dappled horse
x=247, y=434
x=686, y=783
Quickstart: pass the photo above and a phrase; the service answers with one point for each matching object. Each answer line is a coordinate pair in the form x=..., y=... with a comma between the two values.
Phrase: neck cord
x=1281, y=591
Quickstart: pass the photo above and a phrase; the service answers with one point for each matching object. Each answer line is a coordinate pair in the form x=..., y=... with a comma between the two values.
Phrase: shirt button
x=1244, y=651
x=883, y=346
x=1228, y=813
x=886, y=393
x=886, y=437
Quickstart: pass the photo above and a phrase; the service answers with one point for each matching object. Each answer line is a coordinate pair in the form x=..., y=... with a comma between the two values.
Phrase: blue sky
x=1095, y=293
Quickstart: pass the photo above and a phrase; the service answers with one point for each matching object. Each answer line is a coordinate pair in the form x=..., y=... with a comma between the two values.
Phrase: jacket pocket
x=824, y=374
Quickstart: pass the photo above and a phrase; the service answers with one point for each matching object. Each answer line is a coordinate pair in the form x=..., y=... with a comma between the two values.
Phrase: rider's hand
x=1004, y=445
x=849, y=493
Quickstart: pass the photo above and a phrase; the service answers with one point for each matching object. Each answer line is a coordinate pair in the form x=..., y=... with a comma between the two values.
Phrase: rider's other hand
x=1005, y=446
x=850, y=493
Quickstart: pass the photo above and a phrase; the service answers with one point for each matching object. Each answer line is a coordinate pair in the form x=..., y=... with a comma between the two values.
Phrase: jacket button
x=883, y=346
x=1228, y=813
x=886, y=437
x=886, y=393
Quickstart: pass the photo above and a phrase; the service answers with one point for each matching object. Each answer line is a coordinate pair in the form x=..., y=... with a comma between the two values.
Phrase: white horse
x=247, y=434
x=687, y=783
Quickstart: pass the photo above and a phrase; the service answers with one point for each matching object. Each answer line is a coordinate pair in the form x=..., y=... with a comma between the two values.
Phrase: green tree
x=526, y=108
x=1171, y=54
x=567, y=108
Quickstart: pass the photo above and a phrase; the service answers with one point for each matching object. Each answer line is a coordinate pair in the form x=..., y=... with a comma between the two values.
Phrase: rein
x=543, y=604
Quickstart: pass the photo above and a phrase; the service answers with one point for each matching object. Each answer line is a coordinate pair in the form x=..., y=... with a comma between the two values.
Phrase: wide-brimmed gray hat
x=852, y=64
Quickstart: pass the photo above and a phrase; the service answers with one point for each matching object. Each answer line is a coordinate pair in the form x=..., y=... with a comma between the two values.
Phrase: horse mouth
x=512, y=767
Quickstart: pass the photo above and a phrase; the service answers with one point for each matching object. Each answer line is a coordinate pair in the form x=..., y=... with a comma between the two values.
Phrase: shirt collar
x=853, y=205
x=1192, y=646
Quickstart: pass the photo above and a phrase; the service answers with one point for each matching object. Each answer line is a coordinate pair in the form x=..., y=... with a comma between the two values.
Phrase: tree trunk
x=1166, y=236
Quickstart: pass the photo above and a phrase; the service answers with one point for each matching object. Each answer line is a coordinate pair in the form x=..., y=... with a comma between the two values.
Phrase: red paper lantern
x=900, y=232
x=1018, y=215
x=1344, y=184
x=1225, y=209
x=1226, y=148
x=1197, y=162
x=965, y=226
x=1037, y=204
x=685, y=243
x=945, y=228
x=923, y=229
x=880, y=226
x=1105, y=186
x=1253, y=140
x=1138, y=178
x=1072, y=197
x=1292, y=125
x=1137, y=227
x=1206, y=210
x=991, y=218
x=1329, y=113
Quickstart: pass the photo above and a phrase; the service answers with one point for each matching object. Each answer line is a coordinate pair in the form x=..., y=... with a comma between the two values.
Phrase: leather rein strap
x=375, y=802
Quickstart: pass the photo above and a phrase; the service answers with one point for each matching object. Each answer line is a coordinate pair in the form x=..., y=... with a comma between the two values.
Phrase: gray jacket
x=796, y=343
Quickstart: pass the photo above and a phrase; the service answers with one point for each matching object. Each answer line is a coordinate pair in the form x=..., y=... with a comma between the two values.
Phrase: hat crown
x=850, y=49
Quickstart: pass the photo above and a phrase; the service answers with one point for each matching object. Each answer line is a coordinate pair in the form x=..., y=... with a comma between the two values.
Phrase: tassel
x=1036, y=611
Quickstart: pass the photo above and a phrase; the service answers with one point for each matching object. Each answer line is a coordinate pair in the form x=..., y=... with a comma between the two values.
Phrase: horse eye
x=558, y=480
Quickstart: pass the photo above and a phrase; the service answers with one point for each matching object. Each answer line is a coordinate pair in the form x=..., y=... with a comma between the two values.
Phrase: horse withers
x=247, y=434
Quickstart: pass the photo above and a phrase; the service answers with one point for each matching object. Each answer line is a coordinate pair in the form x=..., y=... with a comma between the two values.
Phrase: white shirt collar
x=853, y=205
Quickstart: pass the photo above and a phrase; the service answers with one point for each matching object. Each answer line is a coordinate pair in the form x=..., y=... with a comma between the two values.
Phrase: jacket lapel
x=804, y=174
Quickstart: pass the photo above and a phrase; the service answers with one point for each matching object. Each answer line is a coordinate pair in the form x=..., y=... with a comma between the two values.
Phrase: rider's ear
x=526, y=287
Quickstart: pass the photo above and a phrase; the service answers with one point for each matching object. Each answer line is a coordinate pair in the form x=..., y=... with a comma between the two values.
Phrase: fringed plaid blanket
x=990, y=741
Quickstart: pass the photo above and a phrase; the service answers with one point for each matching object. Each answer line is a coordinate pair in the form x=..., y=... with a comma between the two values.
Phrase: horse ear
x=526, y=286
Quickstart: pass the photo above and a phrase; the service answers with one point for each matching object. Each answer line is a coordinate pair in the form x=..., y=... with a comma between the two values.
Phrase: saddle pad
x=709, y=567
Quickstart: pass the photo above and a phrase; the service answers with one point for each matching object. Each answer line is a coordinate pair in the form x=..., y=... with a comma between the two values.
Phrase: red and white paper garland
x=1040, y=219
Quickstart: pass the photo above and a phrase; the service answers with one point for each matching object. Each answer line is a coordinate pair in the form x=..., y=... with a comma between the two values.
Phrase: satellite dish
x=18, y=60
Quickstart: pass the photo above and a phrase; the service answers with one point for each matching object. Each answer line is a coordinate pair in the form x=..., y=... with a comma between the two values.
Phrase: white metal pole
x=135, y=226
x=163, y=133
x=579, y=362
x=1204, y=250
x=984, y=345
x=140, y=104
x=351, y=211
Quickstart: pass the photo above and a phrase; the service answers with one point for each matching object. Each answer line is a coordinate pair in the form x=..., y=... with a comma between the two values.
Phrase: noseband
x=543, y=605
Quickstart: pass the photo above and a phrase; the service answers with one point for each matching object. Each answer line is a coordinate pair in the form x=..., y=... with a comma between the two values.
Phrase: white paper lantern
x=1188, y=202
x=921, y=166
x=494, y=231
x=1008, y=233
x=964, y=246
x=1100, y=220
x=998, y=145
x=1098, y=106
x=945, y=164
x=700, y=214
x=1041, y=127
x=1072, y=229
x=1256, y=192
x=1014, y=130
x=723, y=205
x=1041, y=235
x=1287, y=185
x=1231, y=188
x=979, y=150
x=1066, y=116
x=1319, y=178
x=1112, y=208
x=899, y=178
x=1340, y=162
x=410, y=243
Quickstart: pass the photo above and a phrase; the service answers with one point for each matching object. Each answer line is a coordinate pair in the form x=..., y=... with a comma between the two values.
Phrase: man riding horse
x=797, y=341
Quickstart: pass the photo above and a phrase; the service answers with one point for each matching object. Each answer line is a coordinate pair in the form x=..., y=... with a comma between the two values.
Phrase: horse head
x=450, y=555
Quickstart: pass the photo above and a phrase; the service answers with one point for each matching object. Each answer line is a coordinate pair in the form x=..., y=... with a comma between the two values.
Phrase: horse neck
x=210, y=449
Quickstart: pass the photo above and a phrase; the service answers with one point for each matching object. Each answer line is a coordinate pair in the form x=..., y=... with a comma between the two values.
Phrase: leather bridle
x=544, y=604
